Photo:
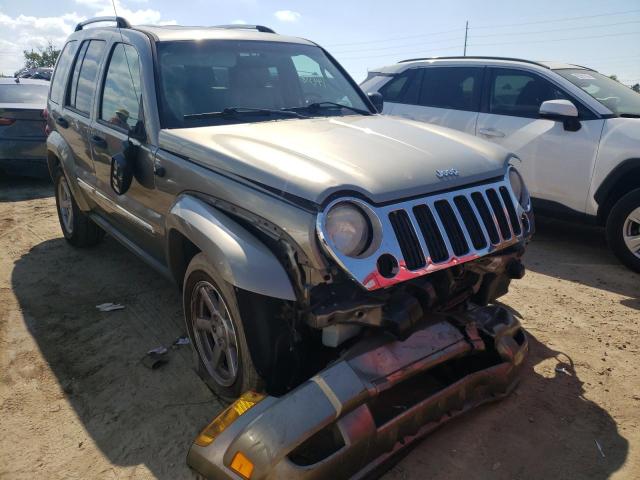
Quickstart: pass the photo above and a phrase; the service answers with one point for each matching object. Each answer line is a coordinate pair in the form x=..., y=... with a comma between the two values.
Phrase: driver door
x=556, y=164
x=120, y=118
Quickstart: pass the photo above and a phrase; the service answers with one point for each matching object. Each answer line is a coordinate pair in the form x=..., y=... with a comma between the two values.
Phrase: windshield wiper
x=237, y=111
x=313, y=107
x=629, y=115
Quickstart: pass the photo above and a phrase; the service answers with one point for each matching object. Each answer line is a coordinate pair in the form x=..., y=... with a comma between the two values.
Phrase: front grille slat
x=407, y=239
x=452, y=227
x=431, y=234
x=513, y=217
x=470, y=220
x=498, y=211
x=486, y=216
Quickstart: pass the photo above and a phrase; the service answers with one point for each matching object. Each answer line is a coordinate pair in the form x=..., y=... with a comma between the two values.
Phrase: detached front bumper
x=350, y=419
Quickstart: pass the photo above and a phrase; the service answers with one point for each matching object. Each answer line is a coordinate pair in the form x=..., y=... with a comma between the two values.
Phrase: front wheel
x=623, y=229
x=77, y=227
x=216, y=331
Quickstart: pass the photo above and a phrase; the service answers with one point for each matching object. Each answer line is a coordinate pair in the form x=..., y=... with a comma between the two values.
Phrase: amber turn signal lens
x=242, y=465
x=229, y=415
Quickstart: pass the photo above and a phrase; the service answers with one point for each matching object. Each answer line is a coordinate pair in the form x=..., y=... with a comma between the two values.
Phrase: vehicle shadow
x=545, y=429
x=15, y=189
x=134, y=415
x=573, y=252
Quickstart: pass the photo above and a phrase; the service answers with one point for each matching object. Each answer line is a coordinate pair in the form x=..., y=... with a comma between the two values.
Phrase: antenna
x=466, y=33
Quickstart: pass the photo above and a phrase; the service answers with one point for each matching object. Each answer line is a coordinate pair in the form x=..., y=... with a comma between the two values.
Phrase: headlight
x=519, y=188
x=348, y=229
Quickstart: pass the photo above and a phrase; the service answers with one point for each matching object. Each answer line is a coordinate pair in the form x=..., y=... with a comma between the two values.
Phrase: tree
x=636, y=87
x=614, y=77
x=44, y=57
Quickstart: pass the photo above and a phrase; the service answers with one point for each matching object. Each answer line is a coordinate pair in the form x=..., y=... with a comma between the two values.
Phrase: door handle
x=491, y=132
x=62, y=122
x=98, y=141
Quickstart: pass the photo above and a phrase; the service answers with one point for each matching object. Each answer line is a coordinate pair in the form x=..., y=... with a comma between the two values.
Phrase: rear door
x=120, y=118
x=557, y=164
x=74, y=122
x=447, y=96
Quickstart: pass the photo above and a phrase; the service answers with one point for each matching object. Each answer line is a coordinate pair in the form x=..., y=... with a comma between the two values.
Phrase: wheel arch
x=620, y=181
x=239, y=256
x=60, y=155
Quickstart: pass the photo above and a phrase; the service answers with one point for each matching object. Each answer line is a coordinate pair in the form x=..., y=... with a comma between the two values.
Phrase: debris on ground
x=599, y=448
x=564, y=370
x=155, y=358
x=182, y=341
x=109, y=307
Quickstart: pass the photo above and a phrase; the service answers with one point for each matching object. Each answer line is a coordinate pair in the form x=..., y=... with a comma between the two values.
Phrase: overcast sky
x=367, y=34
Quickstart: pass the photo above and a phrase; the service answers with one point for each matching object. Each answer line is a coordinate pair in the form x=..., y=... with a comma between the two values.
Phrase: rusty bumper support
x=350, y=419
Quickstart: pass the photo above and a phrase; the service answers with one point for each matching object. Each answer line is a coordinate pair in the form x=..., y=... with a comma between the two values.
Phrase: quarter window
x=57, y=82
x=403, y=88
x=121, y=102
x=84, y=76
x=519, y=93
x=456, y=88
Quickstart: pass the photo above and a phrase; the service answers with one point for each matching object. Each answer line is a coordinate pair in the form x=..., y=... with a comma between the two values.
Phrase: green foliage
x=636, y=87
x=44, y=57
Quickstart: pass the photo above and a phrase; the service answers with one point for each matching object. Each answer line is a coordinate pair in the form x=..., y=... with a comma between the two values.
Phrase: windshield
x=24, y=93
x=618, y=98
x=200, y=77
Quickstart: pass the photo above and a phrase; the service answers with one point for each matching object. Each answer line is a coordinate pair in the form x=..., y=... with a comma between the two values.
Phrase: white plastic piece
x=334, y=335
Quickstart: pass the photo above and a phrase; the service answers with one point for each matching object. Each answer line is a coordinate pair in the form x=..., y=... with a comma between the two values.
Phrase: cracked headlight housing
x=348, y=229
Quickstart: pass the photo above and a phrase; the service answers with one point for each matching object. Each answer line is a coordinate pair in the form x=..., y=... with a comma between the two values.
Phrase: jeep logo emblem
x=451, y=172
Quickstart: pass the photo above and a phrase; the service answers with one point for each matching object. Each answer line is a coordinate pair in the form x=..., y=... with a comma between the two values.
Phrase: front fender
x=241, y=258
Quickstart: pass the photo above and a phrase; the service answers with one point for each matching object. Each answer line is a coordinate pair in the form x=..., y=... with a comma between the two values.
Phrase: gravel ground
x=76, y=403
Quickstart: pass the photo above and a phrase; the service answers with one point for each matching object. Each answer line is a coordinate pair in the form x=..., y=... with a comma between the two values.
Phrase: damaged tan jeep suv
x=308, y=233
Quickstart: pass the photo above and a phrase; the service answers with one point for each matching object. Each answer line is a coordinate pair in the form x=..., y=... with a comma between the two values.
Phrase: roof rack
x=120, y=22
x=242, y=26
x=478, y=57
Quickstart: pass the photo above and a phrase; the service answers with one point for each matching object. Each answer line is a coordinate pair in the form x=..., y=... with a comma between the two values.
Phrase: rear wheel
x=77, y=227
x=623, y=229
x=217, y=335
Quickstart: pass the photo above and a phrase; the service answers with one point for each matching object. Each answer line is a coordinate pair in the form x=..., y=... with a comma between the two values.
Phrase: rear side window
x=519, y=93
x=403, y=88
x=23, y=93
x=85, y=72
x=57, y=82
x=121, y=103
x=456, y=88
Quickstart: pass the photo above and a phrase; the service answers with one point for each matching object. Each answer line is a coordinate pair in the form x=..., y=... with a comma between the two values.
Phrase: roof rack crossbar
x=476, y=57
x=242, y=26
x=120, y=22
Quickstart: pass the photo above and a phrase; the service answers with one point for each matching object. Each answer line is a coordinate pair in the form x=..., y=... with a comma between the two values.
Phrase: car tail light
x=6, y=121
x=45, y=113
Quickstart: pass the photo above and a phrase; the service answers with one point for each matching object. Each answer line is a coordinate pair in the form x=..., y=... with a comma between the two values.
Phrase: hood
x=383, y=158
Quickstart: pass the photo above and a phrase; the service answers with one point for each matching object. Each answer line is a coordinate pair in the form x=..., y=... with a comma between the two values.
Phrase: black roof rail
x=242, y=26
x=477, y=57
x=120, y=22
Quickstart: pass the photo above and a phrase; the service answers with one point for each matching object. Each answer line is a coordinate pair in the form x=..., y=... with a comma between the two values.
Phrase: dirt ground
x=76, y=403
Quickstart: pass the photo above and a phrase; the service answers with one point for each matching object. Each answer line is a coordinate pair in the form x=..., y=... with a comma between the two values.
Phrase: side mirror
x=561, y=110
x=122, y=168
x=377, y=100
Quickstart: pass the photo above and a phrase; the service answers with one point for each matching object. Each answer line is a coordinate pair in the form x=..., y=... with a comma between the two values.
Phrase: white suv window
x=457, y=88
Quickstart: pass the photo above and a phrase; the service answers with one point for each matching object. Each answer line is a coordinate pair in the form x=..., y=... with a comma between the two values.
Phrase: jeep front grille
x=434, y=232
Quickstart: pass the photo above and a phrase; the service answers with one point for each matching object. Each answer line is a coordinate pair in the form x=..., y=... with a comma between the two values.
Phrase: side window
x=456, y=88
x=121, y=102
x=85, y=72
x=60, y=73
x=403, y=88
x=520, y=93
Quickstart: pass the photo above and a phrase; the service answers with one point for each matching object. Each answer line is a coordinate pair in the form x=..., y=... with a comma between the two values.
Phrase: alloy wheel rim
x=214, y=334
x=65, y=205
x=631, y=232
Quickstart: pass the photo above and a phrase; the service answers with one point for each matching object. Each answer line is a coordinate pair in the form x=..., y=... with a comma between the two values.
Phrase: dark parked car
x=41, y=73
x=23, y=150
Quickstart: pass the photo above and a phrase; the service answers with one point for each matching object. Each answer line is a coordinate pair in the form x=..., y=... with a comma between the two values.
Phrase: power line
x=555, y=29
x=415, y=52
x=394, y=38
x=565, y=19
x=392, y=47
x=555, y=39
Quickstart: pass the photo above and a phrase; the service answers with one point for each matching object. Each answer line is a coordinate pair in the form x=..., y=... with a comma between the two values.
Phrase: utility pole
x=466, y=32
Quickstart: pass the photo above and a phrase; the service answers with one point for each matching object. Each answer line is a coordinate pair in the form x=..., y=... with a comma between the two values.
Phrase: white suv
x=576, y=131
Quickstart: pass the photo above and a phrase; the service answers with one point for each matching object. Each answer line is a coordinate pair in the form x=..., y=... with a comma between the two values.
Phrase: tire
x=623, y=230
x=77, y=227
x=202, y=281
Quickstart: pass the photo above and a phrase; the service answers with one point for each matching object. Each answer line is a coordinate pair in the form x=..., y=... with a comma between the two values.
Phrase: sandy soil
x=75, y=401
